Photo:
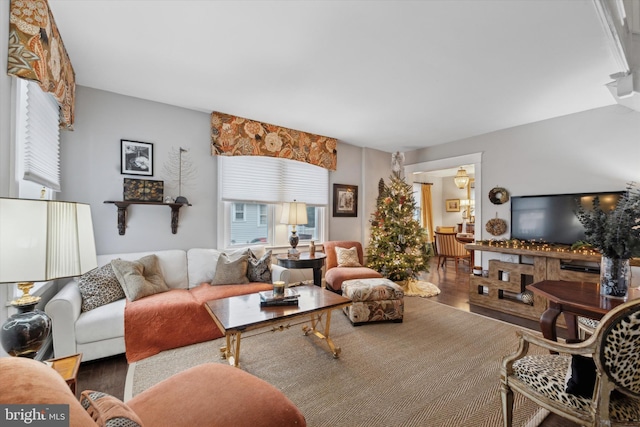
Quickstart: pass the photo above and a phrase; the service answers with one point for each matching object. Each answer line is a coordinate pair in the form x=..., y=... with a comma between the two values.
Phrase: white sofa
x=99, y=332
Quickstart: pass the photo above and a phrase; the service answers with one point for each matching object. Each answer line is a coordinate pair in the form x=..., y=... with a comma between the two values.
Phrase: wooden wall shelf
x=124, y=205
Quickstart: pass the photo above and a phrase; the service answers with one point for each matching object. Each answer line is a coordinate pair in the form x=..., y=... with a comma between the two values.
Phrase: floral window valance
x=235, y=136
x=36, y=52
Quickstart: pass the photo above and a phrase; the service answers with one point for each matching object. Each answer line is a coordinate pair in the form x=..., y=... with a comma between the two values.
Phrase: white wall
x=591, y=151
x=90, y=162
x=362, y=167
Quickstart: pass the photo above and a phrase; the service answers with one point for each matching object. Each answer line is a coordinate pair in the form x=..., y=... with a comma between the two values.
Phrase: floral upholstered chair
x=592, y=383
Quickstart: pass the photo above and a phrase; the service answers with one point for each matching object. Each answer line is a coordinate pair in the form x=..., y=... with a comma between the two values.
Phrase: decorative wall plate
x=498, y=195
x=496, y=226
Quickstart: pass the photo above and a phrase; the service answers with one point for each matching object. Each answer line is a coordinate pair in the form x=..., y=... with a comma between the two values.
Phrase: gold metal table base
x=316, y=320
x=320, y=326
x=231, y=351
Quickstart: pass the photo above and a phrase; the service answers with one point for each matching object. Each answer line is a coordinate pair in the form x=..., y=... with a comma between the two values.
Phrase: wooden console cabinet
x=533, y=266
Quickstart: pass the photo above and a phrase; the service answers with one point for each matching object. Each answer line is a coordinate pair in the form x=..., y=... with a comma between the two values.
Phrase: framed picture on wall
x=453, y=205
x=136, y=158
x=345, y=200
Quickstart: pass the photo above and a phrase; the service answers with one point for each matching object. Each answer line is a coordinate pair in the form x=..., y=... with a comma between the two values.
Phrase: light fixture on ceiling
x=461, y=179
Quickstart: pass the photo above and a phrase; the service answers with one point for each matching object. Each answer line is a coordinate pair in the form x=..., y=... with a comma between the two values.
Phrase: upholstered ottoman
x=374, y=300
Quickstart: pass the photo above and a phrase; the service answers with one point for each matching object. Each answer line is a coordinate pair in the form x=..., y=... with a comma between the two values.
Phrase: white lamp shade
x=294, y=213
x=45, y=240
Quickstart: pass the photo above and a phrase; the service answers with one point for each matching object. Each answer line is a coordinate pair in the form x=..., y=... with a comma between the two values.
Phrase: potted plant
x=615, y=234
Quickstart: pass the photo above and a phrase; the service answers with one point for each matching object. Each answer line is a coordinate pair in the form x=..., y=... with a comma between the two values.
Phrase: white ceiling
x=389, y=75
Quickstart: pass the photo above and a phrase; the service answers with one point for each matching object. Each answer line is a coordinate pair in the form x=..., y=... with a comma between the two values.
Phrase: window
x=36, y=161
x=37, y=141
x=262, y=215
x=238, y=212
x=262, y=196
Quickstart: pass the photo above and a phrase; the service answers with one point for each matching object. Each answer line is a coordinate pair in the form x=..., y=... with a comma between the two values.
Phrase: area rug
x=440, y=367
x=420, y=288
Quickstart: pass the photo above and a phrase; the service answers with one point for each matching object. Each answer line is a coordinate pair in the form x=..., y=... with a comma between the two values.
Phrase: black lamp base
x=24, y=333
x=293, y=241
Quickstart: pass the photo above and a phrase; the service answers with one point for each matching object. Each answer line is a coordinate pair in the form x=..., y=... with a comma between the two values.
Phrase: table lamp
x=294, y=213
x=40, y=240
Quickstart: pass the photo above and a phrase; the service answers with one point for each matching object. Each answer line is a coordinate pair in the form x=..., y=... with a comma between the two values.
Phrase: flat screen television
x=552, y=218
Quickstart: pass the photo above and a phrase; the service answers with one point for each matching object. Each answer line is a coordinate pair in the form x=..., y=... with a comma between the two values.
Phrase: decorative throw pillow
x=98, y=287
x=107, y=411
x=581, y=376
x=139, y=278
x=231, y=271
x=347, y=257
x=259, y=270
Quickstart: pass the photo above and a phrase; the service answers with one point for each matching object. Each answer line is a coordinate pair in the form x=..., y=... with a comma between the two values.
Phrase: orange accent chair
x=334, y=275
x=448, y=247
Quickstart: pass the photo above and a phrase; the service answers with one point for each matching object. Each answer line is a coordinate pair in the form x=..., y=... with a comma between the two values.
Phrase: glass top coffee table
x=238, y=314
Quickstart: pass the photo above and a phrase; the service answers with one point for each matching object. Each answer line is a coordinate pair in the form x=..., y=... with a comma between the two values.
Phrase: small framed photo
x=453, y=205
x=345, y=200
x=136, y=158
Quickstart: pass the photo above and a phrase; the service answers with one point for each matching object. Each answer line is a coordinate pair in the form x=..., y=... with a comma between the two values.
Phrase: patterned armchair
x=592, y=383
x=449, y=248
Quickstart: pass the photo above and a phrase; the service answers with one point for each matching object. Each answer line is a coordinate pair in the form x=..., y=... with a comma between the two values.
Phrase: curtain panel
x=426, y=217
x=36, y=52
x=236, y=136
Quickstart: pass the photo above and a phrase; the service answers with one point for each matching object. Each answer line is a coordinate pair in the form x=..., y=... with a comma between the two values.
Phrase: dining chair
x=448, y=247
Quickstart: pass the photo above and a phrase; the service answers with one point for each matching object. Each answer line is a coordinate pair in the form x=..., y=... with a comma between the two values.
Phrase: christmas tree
x=398, y=246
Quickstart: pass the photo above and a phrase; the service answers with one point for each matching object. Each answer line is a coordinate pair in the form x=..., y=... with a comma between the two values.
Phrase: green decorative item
x=398, y=245
x=616, y=235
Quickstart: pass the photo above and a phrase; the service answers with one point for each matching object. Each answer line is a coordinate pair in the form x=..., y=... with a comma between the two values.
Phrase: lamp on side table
x=40, y=240
x=294, y=213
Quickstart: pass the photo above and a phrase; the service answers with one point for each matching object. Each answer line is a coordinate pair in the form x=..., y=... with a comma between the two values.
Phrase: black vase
x=24, y=333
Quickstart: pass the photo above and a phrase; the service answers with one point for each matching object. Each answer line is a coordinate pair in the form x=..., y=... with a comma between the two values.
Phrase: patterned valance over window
x=36, y=52
x=235, y=136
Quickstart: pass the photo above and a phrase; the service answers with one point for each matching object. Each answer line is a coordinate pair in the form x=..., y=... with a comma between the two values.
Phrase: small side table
x=67, y=367
x=316, y=262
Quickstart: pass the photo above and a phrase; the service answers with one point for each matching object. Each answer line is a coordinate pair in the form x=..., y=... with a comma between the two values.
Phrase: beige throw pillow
x=231, y=271
x=347, y=257
x=139, y=278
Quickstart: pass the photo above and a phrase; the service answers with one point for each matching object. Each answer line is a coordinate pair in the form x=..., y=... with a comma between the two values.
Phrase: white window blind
x=272, y=180
x=41, y=138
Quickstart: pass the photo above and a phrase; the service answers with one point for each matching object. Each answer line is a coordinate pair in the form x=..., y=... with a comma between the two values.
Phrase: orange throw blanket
x=175, y=318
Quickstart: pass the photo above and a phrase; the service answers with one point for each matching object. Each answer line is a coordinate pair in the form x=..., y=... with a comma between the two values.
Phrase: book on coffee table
x=268, y=299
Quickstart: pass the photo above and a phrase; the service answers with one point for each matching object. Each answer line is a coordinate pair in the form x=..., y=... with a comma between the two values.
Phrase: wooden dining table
x=573, y=299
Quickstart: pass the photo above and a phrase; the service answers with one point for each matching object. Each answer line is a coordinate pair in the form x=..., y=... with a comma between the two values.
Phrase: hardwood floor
x=108, y=375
